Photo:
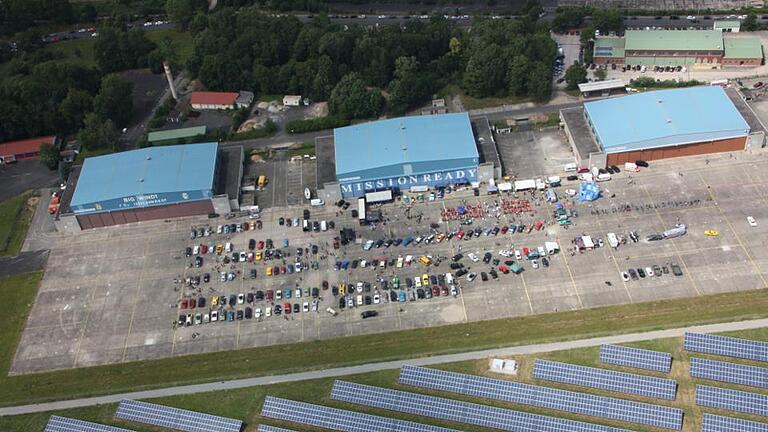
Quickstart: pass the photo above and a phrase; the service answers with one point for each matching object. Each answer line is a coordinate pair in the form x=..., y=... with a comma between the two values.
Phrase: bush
x=302, y=126
x=652, y=83
x=268, y=130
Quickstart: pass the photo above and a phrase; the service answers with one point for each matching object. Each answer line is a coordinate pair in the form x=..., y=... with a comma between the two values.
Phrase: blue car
x=285, y=242
x=407, y=241
x=401, y=296
x=345, y=264
x=230, y=315
x=286, y=293
x=338, y=265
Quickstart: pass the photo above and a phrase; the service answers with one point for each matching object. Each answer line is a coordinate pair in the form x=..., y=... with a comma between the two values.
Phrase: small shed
x=730, y=26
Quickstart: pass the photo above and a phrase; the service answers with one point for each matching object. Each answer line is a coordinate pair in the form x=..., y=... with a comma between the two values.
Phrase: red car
x=435, y=290
x=260, y=245
x=504, y=229
x=504, y=269
x=525, y=251
x=444, y=291
x=203, y=249
x=287, y=308
x=325, y=285
x=460, y=234
x=270, y=295
x=192, y=303
x=184, y=303
x=539, y=225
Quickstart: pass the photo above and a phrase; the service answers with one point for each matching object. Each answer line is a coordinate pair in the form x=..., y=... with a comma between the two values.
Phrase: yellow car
x=269, y=271
x=214, y=300
x=712, y=233
x=258, y=255
x=342, y=288
x=425, y=280
x=219, y=249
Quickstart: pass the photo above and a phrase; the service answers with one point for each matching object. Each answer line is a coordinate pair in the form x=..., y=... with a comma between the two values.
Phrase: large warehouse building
x=691, y=48
x=146, y=184
x=655, y=125
x=402, y=154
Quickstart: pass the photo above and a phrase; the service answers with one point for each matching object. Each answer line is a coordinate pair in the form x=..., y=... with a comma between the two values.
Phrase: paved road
x=373, y=367
x=24, y=262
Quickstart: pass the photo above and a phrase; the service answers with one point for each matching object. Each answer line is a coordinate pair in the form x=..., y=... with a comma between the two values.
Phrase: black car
x=487, y=257
x=379, y=243
x=316, y=226
x=433, y=279
x=249, y=297
x=493, y=274
x=201, y=302
x=367, y=286
x=315, y=293
x=182, y=319
x=676, y=270
x=306, y=214
x=632, y=274
x=278, y=309
x=339, y=203
x=198, y=261
x=342, y=302
x=476, y=192
x=368, y=314
x=346, y=205
x=641, y=272
x=251, y=244
x=239, y=315
x=615, y=169
x=409, y=282
x=314, y=249
x=368, y=300
x=397, y=242
x=253, y=273
x=484, y=276
x=520, y=228
x=232, y=300
x=207, y=277
x=641, y=163
x=281, y=221
x=572, y=178
x=420, y=293
x=288, y=222
x=455, y=266
x=355, y=263
x=296, y=308
x=393, y=296
x=259, y=295
x=188, y=252
x=248, y=313
x=461, y=272
x=388, y=243
x=335, y=290
x=269, y=244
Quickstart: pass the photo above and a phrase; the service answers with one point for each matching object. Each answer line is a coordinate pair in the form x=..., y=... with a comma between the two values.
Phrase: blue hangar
x=145, y=184
x=402, y=154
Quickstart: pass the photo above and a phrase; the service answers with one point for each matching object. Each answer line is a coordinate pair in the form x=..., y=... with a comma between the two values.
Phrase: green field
x=302, y=149
x=246, y=403
x=82, y=50
x=15, y=217
x=471, y=103
x=18, y=293
x=389, y=346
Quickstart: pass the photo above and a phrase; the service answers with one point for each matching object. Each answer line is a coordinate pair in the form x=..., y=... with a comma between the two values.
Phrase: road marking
x=674, y=245
x=135, y=302
x=615, y=263
x=733, y=231
x=570, y=275
x=527, y=295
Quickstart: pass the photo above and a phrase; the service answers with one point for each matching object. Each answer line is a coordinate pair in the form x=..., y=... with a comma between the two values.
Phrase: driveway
x=19, y=177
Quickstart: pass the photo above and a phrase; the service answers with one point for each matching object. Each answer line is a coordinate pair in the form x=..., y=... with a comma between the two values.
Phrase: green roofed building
x=693, y=48
x=175, y=134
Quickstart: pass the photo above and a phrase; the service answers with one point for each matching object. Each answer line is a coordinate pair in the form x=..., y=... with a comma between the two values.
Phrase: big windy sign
x=349, y=187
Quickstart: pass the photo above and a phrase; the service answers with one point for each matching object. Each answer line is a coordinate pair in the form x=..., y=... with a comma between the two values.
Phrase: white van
x=317, y=202
x=332, y=311
x=323, y=226
x=448, y=278
x=571, y=167
x=603, y=177
x=228, y=247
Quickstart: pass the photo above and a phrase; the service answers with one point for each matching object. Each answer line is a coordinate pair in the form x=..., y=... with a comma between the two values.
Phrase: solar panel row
x=339, y=420
x=636, y=358
x=175, y=418
x=733, y=400
x=729, y=372
x=543, y=397
x=604, y=379
x=716, y=423
x=458, y=411
x=64, y=424
x=268, y=428
x=726, y=346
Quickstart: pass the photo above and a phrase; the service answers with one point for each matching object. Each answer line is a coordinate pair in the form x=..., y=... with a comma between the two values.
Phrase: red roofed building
x=213, y=100
x=12, y=151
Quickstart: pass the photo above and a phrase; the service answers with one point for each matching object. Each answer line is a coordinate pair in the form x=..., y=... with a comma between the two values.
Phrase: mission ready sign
x=351, y=188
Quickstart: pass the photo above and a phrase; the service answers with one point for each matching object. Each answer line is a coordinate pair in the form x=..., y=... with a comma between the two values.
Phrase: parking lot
x=286, y=180
x=109, y=295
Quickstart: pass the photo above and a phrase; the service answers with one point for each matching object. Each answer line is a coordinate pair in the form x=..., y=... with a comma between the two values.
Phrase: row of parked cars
x=651, y=271
x=460, y=234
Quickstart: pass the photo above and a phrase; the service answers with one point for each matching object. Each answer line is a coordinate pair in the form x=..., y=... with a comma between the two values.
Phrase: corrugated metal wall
x=98, y=220
x=733, y=144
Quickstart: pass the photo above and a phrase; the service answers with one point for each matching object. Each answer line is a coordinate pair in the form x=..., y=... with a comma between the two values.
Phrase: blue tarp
x=461, y=210
x=588, y=191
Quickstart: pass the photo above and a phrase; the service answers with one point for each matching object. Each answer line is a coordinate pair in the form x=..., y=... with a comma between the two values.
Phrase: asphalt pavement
x=374, y=367
x=24, y=262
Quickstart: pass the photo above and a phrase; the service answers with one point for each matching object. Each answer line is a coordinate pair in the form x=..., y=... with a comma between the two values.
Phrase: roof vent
x=669, y=120
x=149, y=157
x=141, y=180
x=402, y=126
x=660, y=101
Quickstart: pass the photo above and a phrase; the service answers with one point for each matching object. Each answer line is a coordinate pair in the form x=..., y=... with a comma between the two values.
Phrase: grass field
x=15, y=217
x=471, y=103
x=302, y=149
x=363, y=349
x=245, y=404
x=81, y=51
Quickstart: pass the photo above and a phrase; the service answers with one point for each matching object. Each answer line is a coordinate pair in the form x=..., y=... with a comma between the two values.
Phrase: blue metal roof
x=143, y=173
x=391, y=147
x=664, y=118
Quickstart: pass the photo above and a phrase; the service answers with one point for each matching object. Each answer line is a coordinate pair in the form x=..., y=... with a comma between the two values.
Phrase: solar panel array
x=175, y=418
x=726, y=346
x=64, y=424
x=339, y=420
x=733, y=373
x=543, y=397
x=458, y=411
x=636, y=358
x=604, y=379
x=268, y=428
x=733, y=400
x=716, y=423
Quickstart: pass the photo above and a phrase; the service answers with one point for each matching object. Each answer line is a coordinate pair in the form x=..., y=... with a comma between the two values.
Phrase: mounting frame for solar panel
x=726, y=346
x=733, y=373
x=636, y=358
x=176, y=418
x=732, y=400
x=717, y=423
x=66, y=424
